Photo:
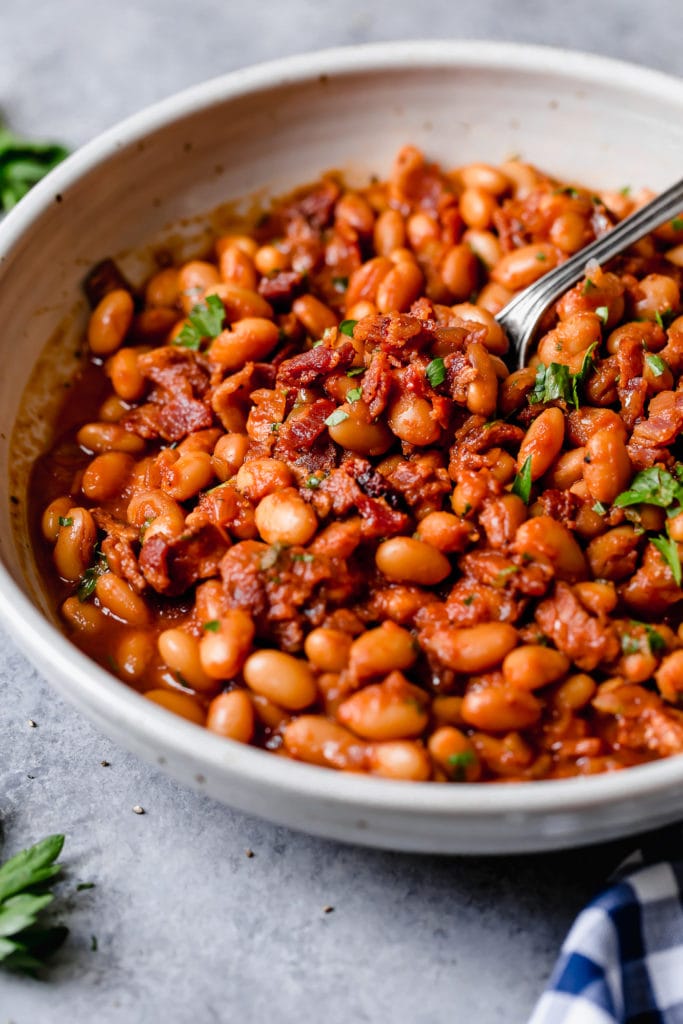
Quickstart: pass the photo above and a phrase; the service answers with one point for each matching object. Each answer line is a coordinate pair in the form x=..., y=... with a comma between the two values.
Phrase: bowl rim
x=99, y=693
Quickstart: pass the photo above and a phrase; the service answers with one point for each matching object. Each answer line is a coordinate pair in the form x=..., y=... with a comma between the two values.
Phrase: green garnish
x=566, y=190
x=313, y=481
x=555, y=382
x=625, y=190
x=668, y=549
x=656, y=364
x=655, y=639
x=206, y=321
x=82, y=886
x=504, y=574
x=336, y=417
x=212, y=626
x=629, y=644
x=305, y=557
x=65, y=521
x=677, y=223
x=355, y=371
x=654, y=486
x=541, y=257
x=23, y=164
x=599, y=508
x=270, y=558
x=436, y=372
x=467, y=601
x=603, y=313
x=88, y=582
x=317, y=344
x=589, y=286
x=23, y=943
x=459, y=763
x=521, y=485
x=340, y=283
x=354, y=395
x=346, y=327
x=274, y=427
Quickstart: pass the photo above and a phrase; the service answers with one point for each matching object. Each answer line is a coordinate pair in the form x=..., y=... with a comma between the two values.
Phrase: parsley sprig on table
x=24, y=943
x=23, y=164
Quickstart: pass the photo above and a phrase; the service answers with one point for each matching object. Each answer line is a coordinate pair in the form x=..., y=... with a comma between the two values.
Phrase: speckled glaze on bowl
x=270, y=128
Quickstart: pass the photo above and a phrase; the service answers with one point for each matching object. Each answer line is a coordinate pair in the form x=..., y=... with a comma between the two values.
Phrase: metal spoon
x=520, y=317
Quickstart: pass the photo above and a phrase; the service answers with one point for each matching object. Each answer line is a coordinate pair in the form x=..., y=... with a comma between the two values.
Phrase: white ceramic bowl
x=272, y=127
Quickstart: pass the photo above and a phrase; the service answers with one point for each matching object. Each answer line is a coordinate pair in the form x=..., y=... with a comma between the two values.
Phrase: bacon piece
x=308, y=367
x=377, y=383
x=588, y=641
x=281, y=287
x=302, y=431
x=172, y=566
x=118, y=547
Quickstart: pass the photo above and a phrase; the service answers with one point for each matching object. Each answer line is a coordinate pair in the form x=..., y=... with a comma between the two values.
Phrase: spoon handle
x=520, y=316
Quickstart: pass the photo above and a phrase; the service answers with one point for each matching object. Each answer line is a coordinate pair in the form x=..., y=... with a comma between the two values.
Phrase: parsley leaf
x=654, y=638
x=588, y=286
x=88, y=582
x=555, y=382
x=346, y=327
x=668, y=549
x=654, y=486
x=603, y=313
x=340, y=284
x=304, y=556
x=677, y=223
x=65, y=521
x=23, y=164
x=436, y=372
x=355, y=371
x=629, y=644
x=459, y=763
x=314, y=481
x=521, y=485
x=212, y=626
x=336, y=417
x=599, y=508
x=206, y=321
x=23, y=944
x=354, y=394
x=656, y=364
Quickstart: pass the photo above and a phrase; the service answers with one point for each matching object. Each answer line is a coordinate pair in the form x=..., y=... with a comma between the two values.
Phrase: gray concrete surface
x=186, y=926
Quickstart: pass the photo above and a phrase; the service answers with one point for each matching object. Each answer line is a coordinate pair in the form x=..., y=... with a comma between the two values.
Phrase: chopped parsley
x=88, y=582
x=654, y=486
x=467, y=601
x=668, y=549
x=629, y=644
x=556, y=383
x=436, y=372
x=664, y=318
x=355, y=371
x=677, y=223
x=305, y=556
x=340, y=283
x=336, y=417
x=656, y=364
x=521, y=485
x=274, y=427
x=65, y=521
x=459, y=763
x=625, y=191
x=541, y=257
x=313, y=481
x=346, y=327
x=205, y=321
x=656, y=641
x=212, y=626
x=599, y=508
x=354, y=394
x=588, y=286
x=501, y=577
x=603, y=313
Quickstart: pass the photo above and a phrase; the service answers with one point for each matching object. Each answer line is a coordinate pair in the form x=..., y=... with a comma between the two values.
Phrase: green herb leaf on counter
x=656, y=364
x=206, y=321
x=89, y=578
x=23, y=943
x=668, y=549
x=336, y=417
x=654, y=486
x=436, y=372
x=23, y=164
x=346, y=327
x=521, y=485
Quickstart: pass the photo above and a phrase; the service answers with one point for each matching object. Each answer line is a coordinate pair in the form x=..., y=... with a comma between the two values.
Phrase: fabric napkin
x=622, y=961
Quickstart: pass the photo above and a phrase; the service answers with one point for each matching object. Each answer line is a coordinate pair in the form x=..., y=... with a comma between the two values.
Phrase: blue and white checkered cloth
x=622, y=961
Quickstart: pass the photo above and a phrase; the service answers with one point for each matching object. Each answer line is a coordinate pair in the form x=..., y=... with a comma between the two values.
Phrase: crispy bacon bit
x=282, y=287
x=585, y=639
x=172, y=566
x=305, y=369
